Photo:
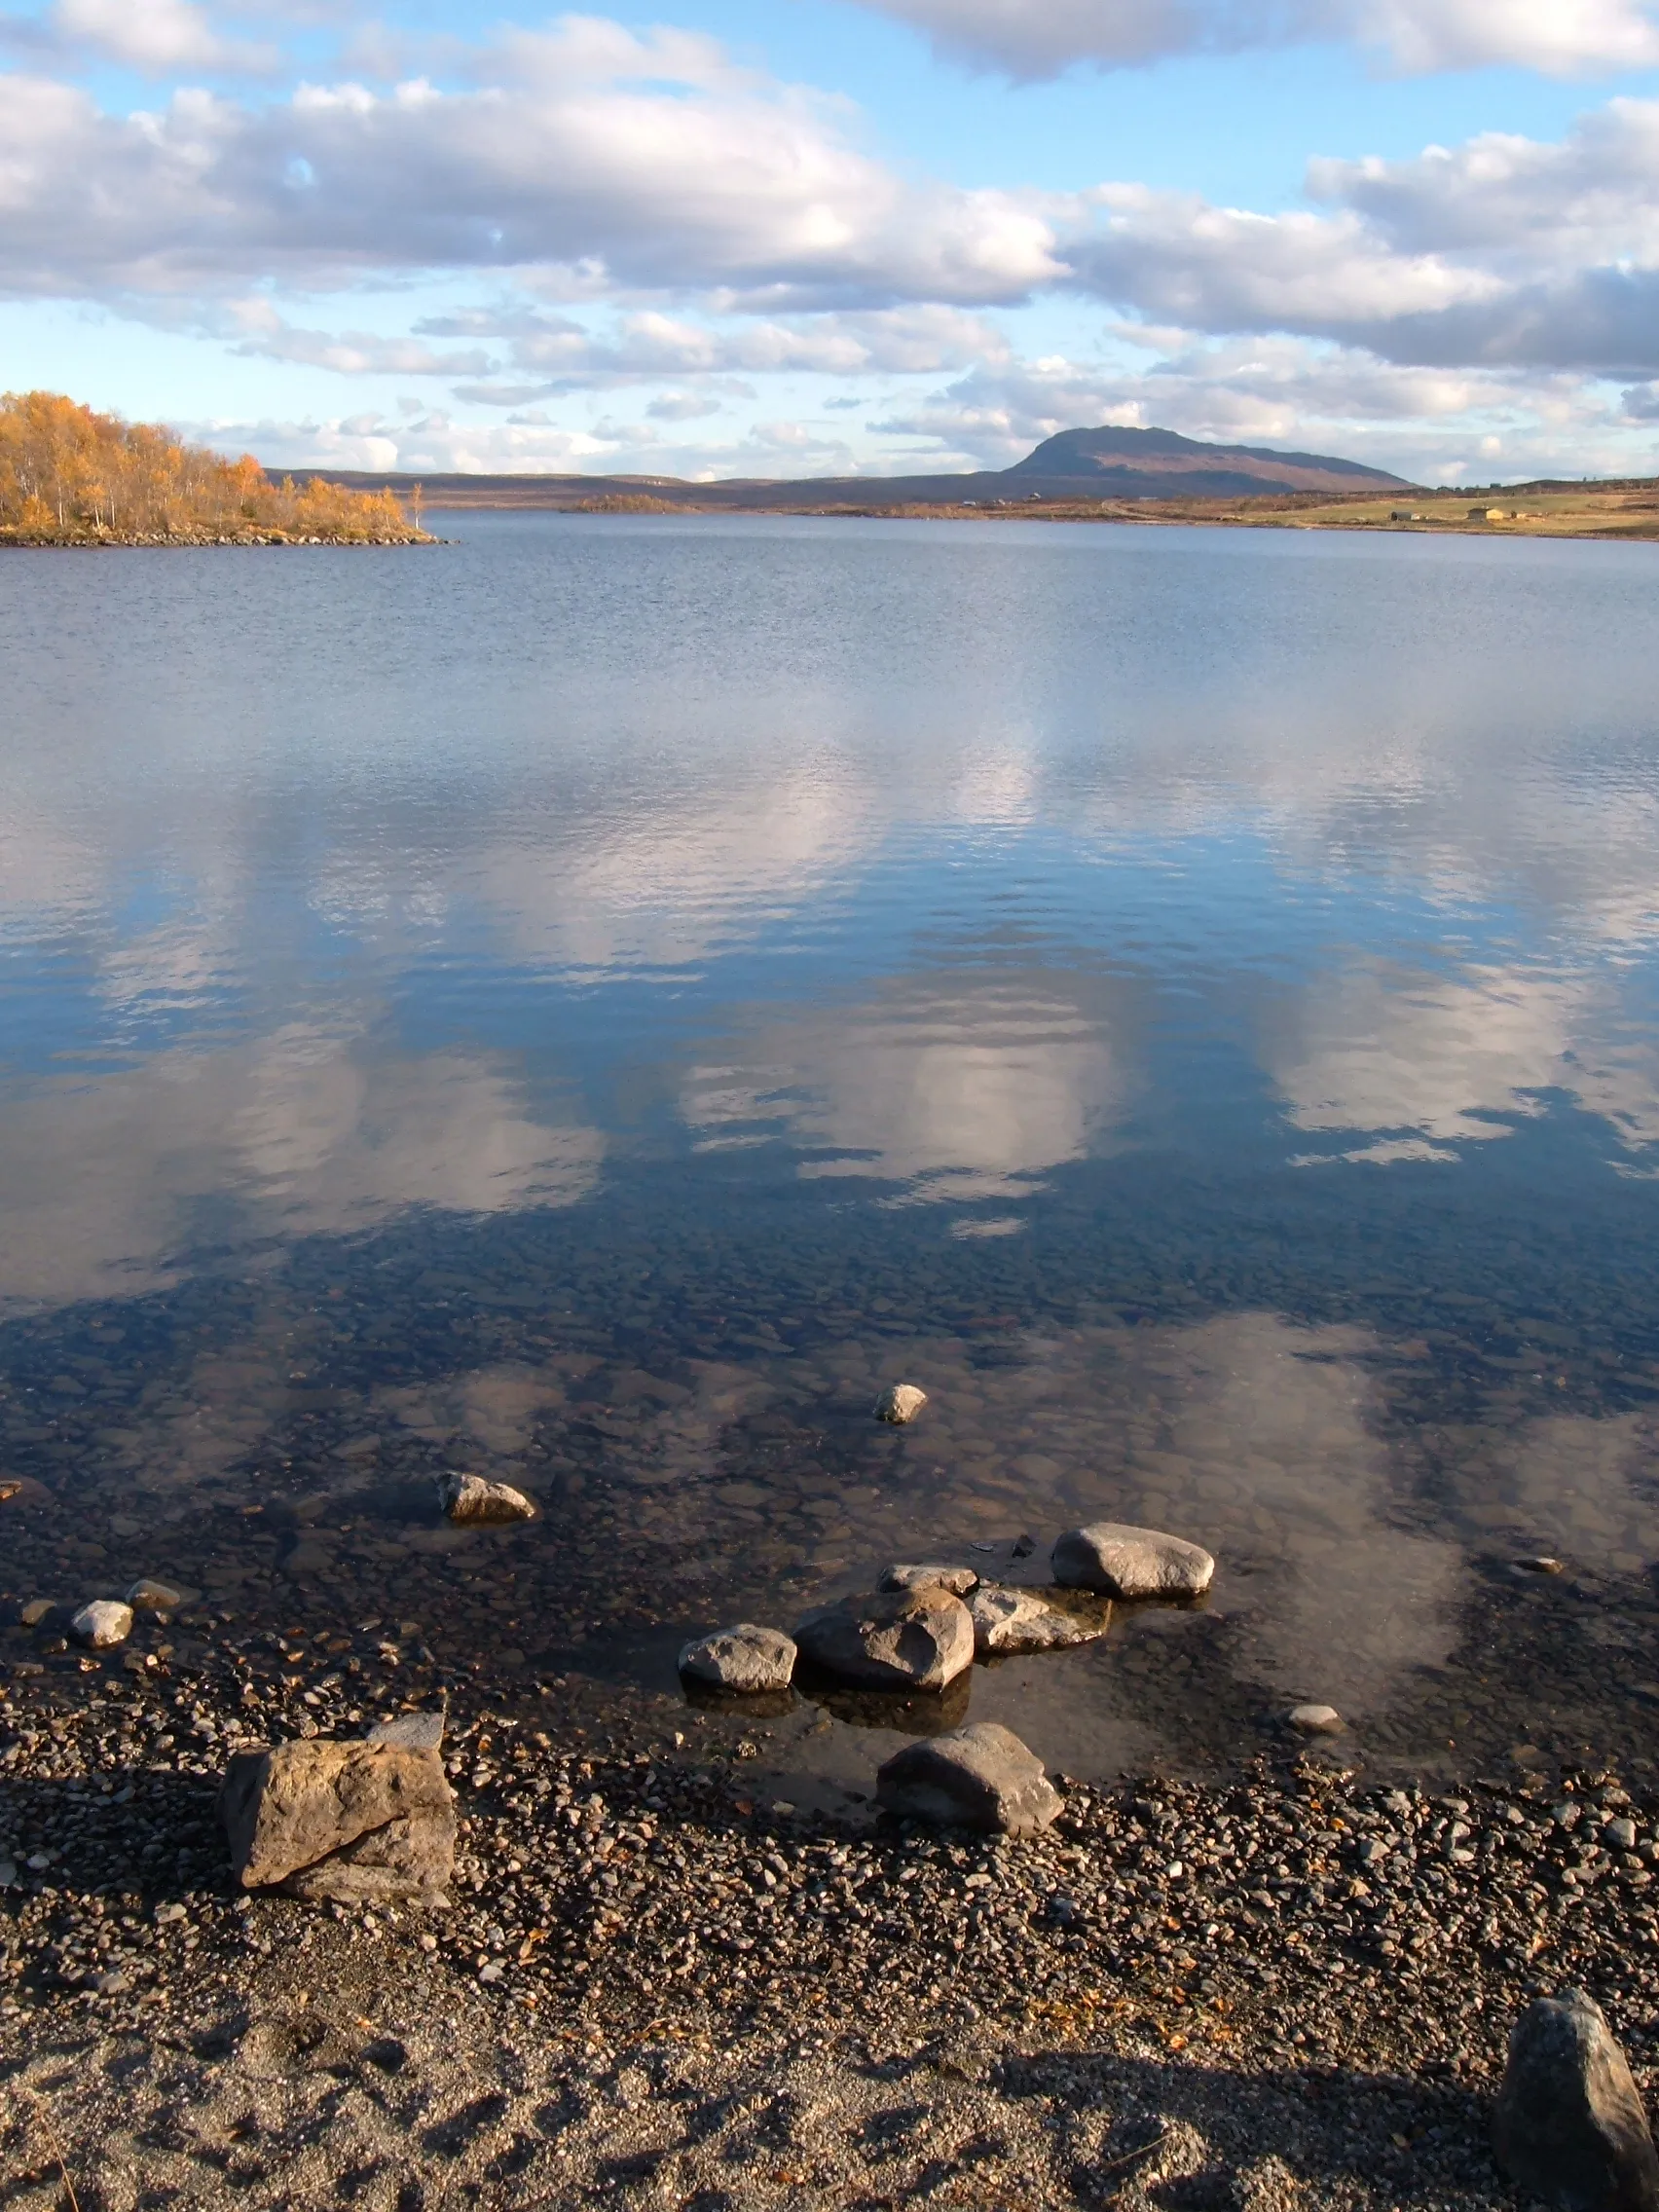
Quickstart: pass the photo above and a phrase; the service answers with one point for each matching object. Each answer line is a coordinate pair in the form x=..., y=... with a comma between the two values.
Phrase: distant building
x=1404, y=514
x=1488, y=514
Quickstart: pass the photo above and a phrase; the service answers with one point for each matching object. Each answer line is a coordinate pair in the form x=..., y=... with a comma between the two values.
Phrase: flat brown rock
x=300, y=1803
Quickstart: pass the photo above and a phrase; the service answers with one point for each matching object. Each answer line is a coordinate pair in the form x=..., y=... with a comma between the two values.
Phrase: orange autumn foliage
x=68, y=475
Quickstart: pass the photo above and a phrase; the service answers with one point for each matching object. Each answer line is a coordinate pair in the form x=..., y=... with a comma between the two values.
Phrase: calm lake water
x=592, y=1002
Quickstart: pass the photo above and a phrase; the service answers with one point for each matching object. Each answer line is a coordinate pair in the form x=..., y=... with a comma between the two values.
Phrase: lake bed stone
x=979, y=1777
x=1569, y=2125
x=895, y=1640
x=901, y=1402
x=471, y=1501
x=148, y=1597
x=747, y=1657
x=1124, y=1561
x=1315, y=1719
x=102, y=1625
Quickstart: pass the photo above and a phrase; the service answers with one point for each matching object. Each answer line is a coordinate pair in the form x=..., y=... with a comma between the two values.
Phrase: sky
x=817, y=236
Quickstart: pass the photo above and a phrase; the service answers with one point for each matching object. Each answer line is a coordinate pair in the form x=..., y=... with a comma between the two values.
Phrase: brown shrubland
x=70, y=476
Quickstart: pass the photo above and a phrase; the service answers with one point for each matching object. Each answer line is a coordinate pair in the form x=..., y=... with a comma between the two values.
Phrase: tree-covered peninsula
x=72, y=477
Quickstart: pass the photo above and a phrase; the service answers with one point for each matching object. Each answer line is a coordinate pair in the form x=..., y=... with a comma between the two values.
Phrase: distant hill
x=1114, y=456
x=1101, y=464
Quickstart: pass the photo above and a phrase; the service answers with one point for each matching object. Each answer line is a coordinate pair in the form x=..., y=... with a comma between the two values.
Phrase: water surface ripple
x=593, y=1002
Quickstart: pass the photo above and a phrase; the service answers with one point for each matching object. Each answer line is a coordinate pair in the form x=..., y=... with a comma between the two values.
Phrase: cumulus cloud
x=641, y=162
x=1040, y=38
x=1506, y=251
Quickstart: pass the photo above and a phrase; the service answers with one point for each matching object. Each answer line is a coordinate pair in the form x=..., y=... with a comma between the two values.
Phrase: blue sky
x=830, y=234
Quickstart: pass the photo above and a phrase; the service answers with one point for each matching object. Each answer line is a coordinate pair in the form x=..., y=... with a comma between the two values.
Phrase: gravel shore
x=656, y=1987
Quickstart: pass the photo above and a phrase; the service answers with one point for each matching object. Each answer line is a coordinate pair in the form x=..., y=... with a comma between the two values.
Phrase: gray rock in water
x=1028, y=1620
x=741, y=1658
x=901, y=1402
x=1131, y=1562
x=469, y=1501
x=929, y=1575
x=340, y=1820
x=147, y=1597
x=102, y=1624
x=1569, y=2125
x=979, y=1777
x=896, y=1640
x=414, y=1731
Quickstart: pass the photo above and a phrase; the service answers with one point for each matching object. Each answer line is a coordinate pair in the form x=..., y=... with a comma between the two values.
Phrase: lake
x=594, y=1000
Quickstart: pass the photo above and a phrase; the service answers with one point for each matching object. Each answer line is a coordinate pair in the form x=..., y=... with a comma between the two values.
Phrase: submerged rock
x=1009, y=1620
x=1568, y=2126
x=899, y=1402
x=958, y=1580
x=469, y=1501
x=896, y=1640
x=1124, y=1561
x=1315, y=1719
x=348, y=1820
x=147, y=1597
x=741, y=1658
x=104, y=1624
x=979, y=1777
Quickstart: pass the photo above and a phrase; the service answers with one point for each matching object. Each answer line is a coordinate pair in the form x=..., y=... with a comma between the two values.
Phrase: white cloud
x=161, y=38
x=1040, y=38
x=631, y=162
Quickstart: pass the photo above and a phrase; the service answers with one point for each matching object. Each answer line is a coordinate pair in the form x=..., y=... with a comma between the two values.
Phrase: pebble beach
x=656, y=1984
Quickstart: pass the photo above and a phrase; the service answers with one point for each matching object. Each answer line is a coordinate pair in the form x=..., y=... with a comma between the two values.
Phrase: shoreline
x=652, y=1987
x=109, y=542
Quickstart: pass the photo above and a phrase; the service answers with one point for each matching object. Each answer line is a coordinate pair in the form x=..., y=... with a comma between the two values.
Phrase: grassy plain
x=1624, y=509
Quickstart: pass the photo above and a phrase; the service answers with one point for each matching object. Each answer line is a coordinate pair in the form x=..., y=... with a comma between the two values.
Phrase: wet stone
x=897, y=1639
x=1315, y=1719
x=931, y=1575
x=1008, y=1620
x=147, y=1597
x=747, y=1657
x=1125, y=1561
x=901, y=1402
x=471, y=1501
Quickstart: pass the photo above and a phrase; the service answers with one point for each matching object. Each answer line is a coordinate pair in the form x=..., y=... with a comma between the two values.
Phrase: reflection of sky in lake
x=1010, y=895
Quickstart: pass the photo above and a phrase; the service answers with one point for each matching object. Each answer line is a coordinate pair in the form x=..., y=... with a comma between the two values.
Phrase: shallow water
x=594, y=1000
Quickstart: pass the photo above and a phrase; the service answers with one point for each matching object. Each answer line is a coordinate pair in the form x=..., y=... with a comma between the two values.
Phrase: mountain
x=1104, y=463
x=1114, y=456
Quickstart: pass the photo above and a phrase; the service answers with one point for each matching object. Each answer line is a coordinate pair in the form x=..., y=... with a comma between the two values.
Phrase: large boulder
x=1569, y=2125
x=1122, y=1562
x=895, y=1640
x=1008, y=1620
x=978, y=1776
x=741, y=1658
x=324, y=1819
